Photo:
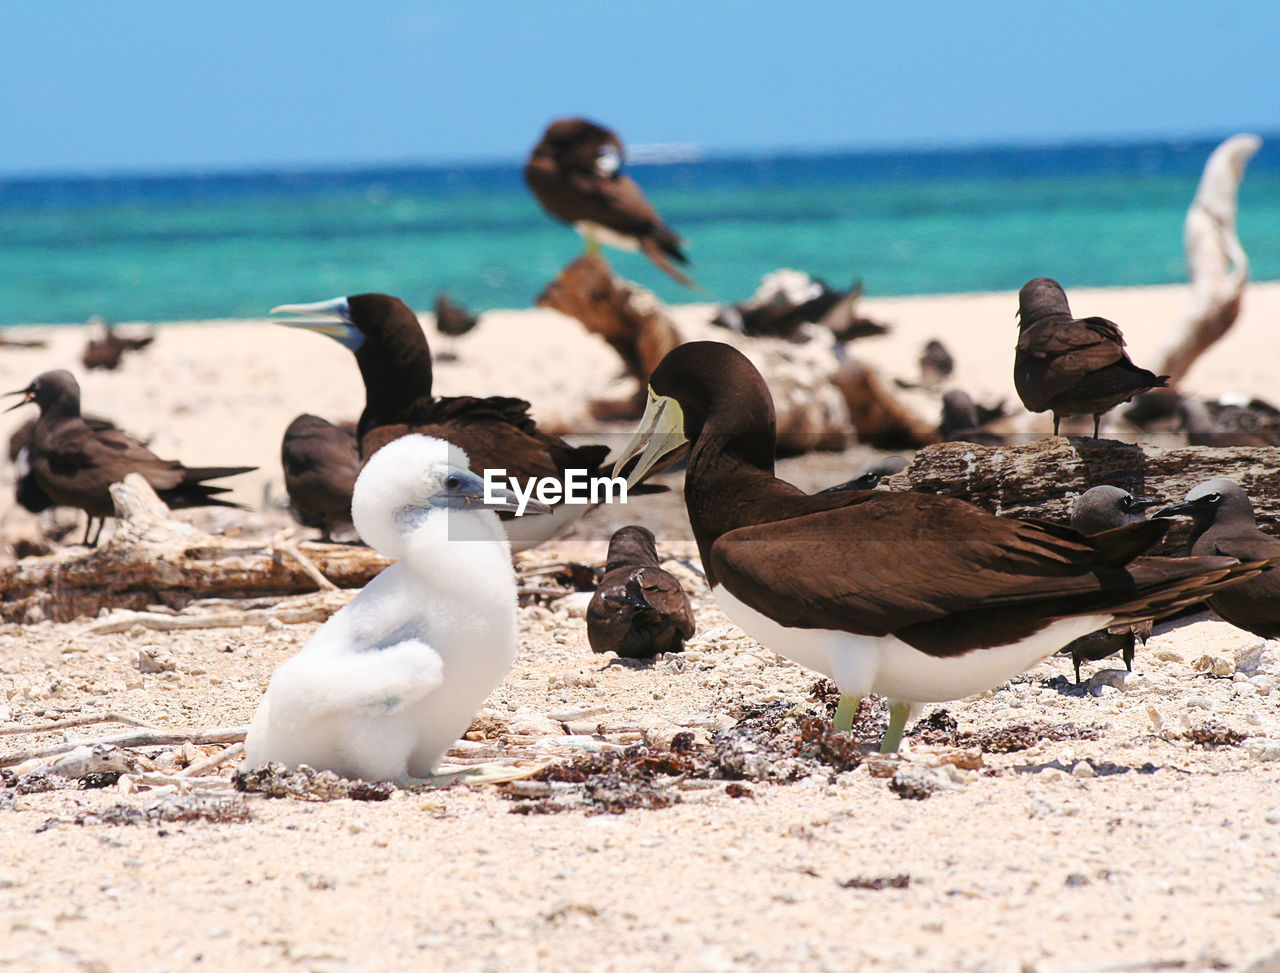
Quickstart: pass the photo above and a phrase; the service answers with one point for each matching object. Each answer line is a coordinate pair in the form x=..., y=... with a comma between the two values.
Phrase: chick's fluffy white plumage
x=392, y=680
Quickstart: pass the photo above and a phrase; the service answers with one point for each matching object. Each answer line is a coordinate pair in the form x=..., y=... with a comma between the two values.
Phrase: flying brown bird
x=1071, y=366
x=575, y=173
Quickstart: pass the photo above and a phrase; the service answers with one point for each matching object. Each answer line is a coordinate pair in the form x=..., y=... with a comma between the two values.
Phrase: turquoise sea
x=211, y=245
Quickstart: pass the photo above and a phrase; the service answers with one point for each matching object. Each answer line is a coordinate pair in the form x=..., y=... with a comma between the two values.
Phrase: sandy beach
x=1145, y=837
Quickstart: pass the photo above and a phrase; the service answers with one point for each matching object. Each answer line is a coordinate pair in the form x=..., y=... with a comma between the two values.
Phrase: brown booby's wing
x=618, y=203
x=941, y=575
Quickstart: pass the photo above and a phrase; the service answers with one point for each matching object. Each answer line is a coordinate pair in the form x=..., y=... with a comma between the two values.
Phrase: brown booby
x=74, y=462
x=496, y=432
x=917, y=597
x=639, y=610
x=575, y=173
x=321, y=461
x=1222, y=523
x=1097, y=509
x=1071, y=366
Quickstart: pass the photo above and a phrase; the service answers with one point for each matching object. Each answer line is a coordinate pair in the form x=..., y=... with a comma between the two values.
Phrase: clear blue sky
x=110, y=85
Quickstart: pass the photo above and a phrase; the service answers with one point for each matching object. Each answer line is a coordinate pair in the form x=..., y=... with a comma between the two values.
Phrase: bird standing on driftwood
x=575, y=173
x=390, y=682
x=1071, y=366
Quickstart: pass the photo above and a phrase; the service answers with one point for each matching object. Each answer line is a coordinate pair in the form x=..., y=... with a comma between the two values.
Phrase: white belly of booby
x=602, y=234
x=862, y=664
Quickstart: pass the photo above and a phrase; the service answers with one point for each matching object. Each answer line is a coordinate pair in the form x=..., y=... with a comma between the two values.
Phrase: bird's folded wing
x=662, y=593
x=500, y=408
x=616, y=203
x=359, y=681
x=882, y=566
x=1096, y=336
x=1247, y=547
x=111, y=451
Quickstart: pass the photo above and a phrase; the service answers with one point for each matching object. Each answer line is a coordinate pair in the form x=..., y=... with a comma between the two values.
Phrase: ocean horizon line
x=653, y=155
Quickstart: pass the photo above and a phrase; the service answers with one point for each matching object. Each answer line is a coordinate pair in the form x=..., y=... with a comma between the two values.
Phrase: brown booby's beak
x=337, y=325
x=660, y=433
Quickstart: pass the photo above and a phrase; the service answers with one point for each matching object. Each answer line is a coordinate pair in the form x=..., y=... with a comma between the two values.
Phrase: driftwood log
x=1216, y=261
x=154, y=560
x=812, y=400
x=879, y=417
x=631, y=319
x=1041, y=480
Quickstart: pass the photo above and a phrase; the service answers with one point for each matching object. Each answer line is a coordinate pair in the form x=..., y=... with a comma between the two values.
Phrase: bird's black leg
x=1056, y=420
x=101, y=523
x=88, y=526
x=1127, y=655
x=1096, y=419
x=1077, y=664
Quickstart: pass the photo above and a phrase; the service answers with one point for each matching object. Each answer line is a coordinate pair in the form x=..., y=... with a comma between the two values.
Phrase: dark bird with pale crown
x=1222, y=523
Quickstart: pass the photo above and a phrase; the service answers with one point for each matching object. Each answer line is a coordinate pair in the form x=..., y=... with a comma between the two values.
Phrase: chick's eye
x=453, y=482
